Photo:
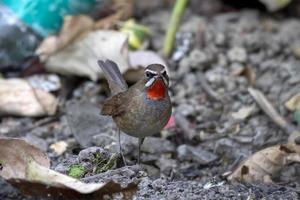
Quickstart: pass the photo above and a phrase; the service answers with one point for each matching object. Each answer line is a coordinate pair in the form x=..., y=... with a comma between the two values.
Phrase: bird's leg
x=120, y=147
x=141, y=140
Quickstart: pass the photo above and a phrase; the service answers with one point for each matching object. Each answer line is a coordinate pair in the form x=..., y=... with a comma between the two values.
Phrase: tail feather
x=113, y=75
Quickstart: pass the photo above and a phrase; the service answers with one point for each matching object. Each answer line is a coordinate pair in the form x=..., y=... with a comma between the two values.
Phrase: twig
x=206, y=87
x=269, y=110
x=173, y=26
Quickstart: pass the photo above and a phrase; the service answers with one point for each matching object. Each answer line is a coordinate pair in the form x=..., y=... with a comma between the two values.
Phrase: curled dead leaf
x=27, y=168
x=73, y=27
x=264, y=164
x=80, y=57
x=246, y=71
x=14, y=154
x=17, y=97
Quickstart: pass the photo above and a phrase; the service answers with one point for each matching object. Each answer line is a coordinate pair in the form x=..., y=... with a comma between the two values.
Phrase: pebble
x=37, y=142
x=166, y=165
x=186, y=110
x=156, y=145
x=237, y=54
x=201, y=156
x=89, y=154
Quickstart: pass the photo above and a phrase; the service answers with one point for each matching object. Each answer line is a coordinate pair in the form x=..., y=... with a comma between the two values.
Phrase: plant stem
x=177, y=13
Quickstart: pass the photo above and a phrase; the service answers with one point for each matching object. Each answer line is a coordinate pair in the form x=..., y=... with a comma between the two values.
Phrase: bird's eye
x=164, y=73
x=149, y=75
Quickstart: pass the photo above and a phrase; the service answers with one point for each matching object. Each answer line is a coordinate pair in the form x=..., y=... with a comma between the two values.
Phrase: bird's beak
x=150, y=82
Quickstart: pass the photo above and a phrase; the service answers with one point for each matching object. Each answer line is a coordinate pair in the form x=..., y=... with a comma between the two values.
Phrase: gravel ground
x=229, y=52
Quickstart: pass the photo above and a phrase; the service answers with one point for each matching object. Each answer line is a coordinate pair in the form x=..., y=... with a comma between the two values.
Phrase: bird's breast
x=145, y=116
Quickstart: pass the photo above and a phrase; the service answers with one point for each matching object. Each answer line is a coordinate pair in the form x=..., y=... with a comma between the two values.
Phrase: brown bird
x=141, y=110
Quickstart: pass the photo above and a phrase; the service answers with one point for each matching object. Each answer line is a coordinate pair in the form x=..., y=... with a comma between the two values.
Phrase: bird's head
x=156, y=81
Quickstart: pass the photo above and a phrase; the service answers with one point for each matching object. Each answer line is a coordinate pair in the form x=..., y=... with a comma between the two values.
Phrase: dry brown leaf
x=17, y=97
x=73, y=27
x=80, y=58
x=59, y=147
x=27, y=168
x=248, y=72
x=242, y=113
x=293, y=103
x=14, y=154
x=264, y=164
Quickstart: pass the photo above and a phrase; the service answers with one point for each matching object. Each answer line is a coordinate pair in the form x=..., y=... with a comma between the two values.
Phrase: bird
x=142, y=109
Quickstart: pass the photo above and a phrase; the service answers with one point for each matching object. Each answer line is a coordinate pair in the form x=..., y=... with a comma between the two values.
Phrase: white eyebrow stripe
x=149, y=70
x=162, y=71
x=165, y=81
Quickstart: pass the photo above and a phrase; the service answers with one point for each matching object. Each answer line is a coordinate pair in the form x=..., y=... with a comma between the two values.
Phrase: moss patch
x=76, y=171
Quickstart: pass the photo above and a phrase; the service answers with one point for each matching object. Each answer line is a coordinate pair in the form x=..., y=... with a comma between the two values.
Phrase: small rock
x=155, y=145
x=59, y=147
x=37, y=142
x=237, y=54
x=152, y=171
x=198, y=57
x=186, y=110
x=159, y=184
x=166, y=165
x=124, y=175
x=293, y=103
x=242, y=113
x=199, y=155
x=184, y=65
x=49, y=82
x=89, y=154
x=93, y=122
x=220, y=38
x=63, y=166
x=103, y=140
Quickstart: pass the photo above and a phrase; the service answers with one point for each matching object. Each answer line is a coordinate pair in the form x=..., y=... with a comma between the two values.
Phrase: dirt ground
x=187, y=161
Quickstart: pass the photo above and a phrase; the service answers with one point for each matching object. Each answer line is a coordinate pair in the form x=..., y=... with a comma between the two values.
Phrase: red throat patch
x=157, y=90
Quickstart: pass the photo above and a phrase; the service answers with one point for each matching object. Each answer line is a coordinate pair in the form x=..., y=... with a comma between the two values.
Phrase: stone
x=197, y=154
x=89, y=154
x=37, y=142
x=237, y=54
x=166, y=165
x=156, y=145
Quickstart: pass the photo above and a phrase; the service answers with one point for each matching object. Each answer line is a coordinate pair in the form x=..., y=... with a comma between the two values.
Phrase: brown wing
x=115, y=105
